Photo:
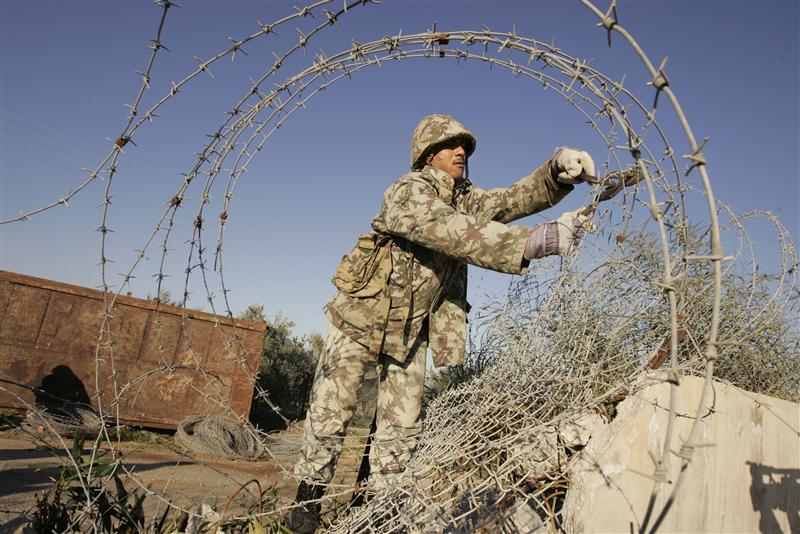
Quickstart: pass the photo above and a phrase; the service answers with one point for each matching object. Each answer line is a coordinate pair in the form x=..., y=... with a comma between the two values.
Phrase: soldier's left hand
x=561, y=236
x=571, y=227
x=570, y=166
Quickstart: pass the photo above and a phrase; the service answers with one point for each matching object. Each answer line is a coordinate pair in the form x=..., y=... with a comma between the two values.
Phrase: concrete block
x=743, y=476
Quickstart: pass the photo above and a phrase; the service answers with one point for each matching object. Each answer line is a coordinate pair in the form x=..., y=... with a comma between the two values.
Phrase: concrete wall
x=744, y=478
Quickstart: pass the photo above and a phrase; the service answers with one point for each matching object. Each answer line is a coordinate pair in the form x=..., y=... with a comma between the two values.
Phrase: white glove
x=569, y=165
x=571, y=227
x=558, y=237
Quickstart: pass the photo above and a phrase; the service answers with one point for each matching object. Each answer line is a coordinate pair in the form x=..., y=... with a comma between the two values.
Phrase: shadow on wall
x=62, y=393
x=774, y=490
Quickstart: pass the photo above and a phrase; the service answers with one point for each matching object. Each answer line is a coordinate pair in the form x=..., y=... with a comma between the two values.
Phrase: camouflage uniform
x=403, y=288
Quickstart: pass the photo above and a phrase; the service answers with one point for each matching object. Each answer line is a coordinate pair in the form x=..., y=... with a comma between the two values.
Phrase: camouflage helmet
x=434, y=130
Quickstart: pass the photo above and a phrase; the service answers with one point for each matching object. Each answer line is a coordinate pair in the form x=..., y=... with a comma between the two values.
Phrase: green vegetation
x=90, y=495
x=286, y=372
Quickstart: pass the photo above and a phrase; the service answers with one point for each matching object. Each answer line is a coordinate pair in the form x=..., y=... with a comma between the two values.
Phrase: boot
x=304, y=519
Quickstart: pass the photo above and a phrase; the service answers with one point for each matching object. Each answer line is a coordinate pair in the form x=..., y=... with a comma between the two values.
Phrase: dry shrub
x=572, y=339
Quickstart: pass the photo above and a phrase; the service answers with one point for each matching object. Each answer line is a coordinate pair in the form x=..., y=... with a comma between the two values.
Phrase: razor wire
x=168, y=217
x=345, y=65
x=149, y=115
x=164, y=248
x=363, y=55
x=468, y=475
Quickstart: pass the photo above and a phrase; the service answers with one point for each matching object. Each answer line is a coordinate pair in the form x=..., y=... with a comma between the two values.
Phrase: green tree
x=254, y=312
x=317, y=343
x=286, y=372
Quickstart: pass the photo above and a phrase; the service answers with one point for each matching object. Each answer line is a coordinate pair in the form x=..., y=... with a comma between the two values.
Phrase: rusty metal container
x=163, y=363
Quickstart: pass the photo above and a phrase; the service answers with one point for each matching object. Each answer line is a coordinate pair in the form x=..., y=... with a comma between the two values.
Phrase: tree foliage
x=286, y=371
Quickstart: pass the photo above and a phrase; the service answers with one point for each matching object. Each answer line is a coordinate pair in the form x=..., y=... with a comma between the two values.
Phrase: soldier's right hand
x=570, y=166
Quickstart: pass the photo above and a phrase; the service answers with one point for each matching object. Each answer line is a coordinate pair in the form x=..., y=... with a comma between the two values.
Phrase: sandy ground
x=184, y=480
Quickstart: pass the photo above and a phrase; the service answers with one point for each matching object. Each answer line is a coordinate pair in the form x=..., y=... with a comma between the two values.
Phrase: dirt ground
x=180, y=478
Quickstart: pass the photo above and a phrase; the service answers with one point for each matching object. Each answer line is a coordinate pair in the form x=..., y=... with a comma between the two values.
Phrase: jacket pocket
x=365, y=271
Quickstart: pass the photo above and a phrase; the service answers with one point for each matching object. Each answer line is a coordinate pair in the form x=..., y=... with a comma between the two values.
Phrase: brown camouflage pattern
x=435, y=129
x=340, y=369
x=435, y=230
x=403, y=287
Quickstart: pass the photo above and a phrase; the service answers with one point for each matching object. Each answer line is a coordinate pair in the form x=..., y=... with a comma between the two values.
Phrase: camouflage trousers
x=338, y=376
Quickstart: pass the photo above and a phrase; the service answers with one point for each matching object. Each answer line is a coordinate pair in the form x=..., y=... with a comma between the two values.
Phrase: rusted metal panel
x=163, y=363
x=5, y=295
x=25, y=313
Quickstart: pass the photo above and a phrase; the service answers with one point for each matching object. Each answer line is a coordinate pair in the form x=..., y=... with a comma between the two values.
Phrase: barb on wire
x=127, y=132
x=149, y=115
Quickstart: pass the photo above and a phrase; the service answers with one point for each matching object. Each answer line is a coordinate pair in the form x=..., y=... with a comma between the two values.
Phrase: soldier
x=402, y=290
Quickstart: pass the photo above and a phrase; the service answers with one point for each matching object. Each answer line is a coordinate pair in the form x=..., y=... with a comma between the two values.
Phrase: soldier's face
x=451, y=160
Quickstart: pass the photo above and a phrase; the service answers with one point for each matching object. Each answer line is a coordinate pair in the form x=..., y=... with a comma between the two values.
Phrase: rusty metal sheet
x=163, y=364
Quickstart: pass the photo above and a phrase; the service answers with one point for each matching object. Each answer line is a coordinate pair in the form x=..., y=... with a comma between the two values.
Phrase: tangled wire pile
x=551, y=367
x=217, y=435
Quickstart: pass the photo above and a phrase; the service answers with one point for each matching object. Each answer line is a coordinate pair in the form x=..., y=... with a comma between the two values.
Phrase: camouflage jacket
x=413, y=266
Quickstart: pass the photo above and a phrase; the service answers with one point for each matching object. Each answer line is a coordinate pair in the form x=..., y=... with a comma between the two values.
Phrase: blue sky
x=69, y=68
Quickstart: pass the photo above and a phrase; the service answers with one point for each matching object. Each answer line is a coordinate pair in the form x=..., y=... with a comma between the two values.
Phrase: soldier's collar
x=445, y=185
x=443, y=182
